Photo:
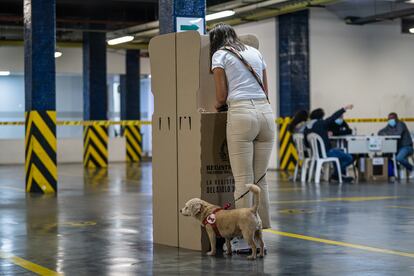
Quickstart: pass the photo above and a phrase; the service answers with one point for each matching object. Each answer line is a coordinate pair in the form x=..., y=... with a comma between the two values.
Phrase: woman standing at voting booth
x=241, y=86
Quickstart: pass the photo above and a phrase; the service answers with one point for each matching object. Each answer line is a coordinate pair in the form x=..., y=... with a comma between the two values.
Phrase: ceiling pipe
x=19, y=19
x=260, y=5
x=18, y=27
x=126, y=46
x=149, y=33
x=282, y=8
x=232, y=5
x=379, y=17
x=135, y=29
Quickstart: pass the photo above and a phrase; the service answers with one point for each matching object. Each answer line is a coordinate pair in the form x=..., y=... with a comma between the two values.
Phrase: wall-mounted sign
x=190, y=24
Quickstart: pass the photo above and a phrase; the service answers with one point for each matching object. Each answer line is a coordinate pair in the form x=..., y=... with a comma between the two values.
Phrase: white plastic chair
x=303, y=161
x=319, y=158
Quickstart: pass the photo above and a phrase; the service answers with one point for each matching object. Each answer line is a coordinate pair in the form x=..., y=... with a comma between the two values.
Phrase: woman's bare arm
x=265, y=82
x=221, y=86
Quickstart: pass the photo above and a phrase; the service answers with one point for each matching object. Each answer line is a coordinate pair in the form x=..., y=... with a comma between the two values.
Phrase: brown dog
x=229, y=223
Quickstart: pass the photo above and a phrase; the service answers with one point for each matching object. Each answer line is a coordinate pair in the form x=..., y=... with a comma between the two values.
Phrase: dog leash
x=228, y=204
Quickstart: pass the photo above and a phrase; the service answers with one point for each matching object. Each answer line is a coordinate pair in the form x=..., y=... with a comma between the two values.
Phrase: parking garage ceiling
x=75, y=16
x=90, y=14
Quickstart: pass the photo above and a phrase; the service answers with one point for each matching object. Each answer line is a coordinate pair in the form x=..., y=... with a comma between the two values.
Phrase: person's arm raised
x=337, y=114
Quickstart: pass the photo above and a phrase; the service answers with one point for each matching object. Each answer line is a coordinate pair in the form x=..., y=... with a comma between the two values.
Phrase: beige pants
x=250, y=138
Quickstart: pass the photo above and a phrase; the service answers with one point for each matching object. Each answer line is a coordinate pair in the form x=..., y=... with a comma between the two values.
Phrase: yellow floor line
x=106, y=178
x=40, y=270
x=333, y=199
x=338, y=243
x=285, y=189
x=401, y=207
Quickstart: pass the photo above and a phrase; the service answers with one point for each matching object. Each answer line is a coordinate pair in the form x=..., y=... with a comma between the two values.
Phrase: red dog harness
x=211, y=220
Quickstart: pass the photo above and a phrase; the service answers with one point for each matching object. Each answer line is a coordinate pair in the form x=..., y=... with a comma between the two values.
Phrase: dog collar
x=211, y=220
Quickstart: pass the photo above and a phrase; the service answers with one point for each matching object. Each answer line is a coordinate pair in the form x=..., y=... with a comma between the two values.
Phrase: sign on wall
x=190, y=24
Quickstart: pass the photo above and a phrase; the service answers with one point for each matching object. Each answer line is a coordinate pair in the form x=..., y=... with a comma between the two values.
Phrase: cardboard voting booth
x=190, y=157
x=373, y=169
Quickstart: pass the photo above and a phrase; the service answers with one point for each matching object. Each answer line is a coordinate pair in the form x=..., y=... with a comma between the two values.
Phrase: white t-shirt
x=240, y=82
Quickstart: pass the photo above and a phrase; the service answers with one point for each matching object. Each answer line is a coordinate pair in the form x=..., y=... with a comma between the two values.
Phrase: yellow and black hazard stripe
x=133, y=143
x=96, y=176
x=133, y=172
x=95, y=146
x=40, y=152
x=287, y=151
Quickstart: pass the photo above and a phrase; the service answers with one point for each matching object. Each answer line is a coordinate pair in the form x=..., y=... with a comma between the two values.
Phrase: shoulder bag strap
x=249, y=67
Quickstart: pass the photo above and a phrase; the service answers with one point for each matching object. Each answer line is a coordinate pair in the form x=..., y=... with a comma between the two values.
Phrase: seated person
x=339, y=127
x=319, y=125
x=405, y=143
x=298, y=123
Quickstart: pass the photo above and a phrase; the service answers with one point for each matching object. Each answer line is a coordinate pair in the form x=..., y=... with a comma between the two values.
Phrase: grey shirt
x=400, y=129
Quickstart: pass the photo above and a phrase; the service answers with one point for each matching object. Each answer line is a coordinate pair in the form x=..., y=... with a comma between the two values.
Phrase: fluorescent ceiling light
x=411, y=30
x=409, y=1
x=58, y=54
x=4, y=73
x=218, y=15
x=120, y=40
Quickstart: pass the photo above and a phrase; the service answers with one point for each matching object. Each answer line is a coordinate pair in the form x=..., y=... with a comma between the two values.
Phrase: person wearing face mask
x=339, y=127
x=405, y=143
x=319, y=125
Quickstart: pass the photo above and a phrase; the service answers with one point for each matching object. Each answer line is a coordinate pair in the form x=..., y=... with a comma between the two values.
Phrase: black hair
x=393, y=114
x=224, y=35
x=300, y=116
x=317, y=114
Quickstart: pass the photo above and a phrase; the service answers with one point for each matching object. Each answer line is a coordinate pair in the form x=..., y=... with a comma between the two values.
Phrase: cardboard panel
x=164, y=137
x=163, y=74
x=207, y=94
x=188, y=73
x=203, y=166
x=189, y=156
x=217, y=182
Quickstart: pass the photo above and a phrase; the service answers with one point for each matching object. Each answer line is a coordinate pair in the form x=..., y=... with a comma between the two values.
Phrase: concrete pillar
x=293, y=63
x=95, y=100
x=170, y=10
x=40, y=96
x=294, y=91
x=130, y=105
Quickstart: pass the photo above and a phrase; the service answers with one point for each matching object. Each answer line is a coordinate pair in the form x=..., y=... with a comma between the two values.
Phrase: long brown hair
x=224, y=35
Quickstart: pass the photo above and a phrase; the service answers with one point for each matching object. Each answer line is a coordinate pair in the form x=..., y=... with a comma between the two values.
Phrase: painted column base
x=40, y=157
x=95, y=146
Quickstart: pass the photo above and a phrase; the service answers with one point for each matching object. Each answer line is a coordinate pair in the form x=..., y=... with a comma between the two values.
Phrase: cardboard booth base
x=374, y=169
x=217, y=182
x=190, y=157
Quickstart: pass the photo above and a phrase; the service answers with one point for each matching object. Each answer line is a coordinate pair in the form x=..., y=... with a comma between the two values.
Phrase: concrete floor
x=100, y=224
